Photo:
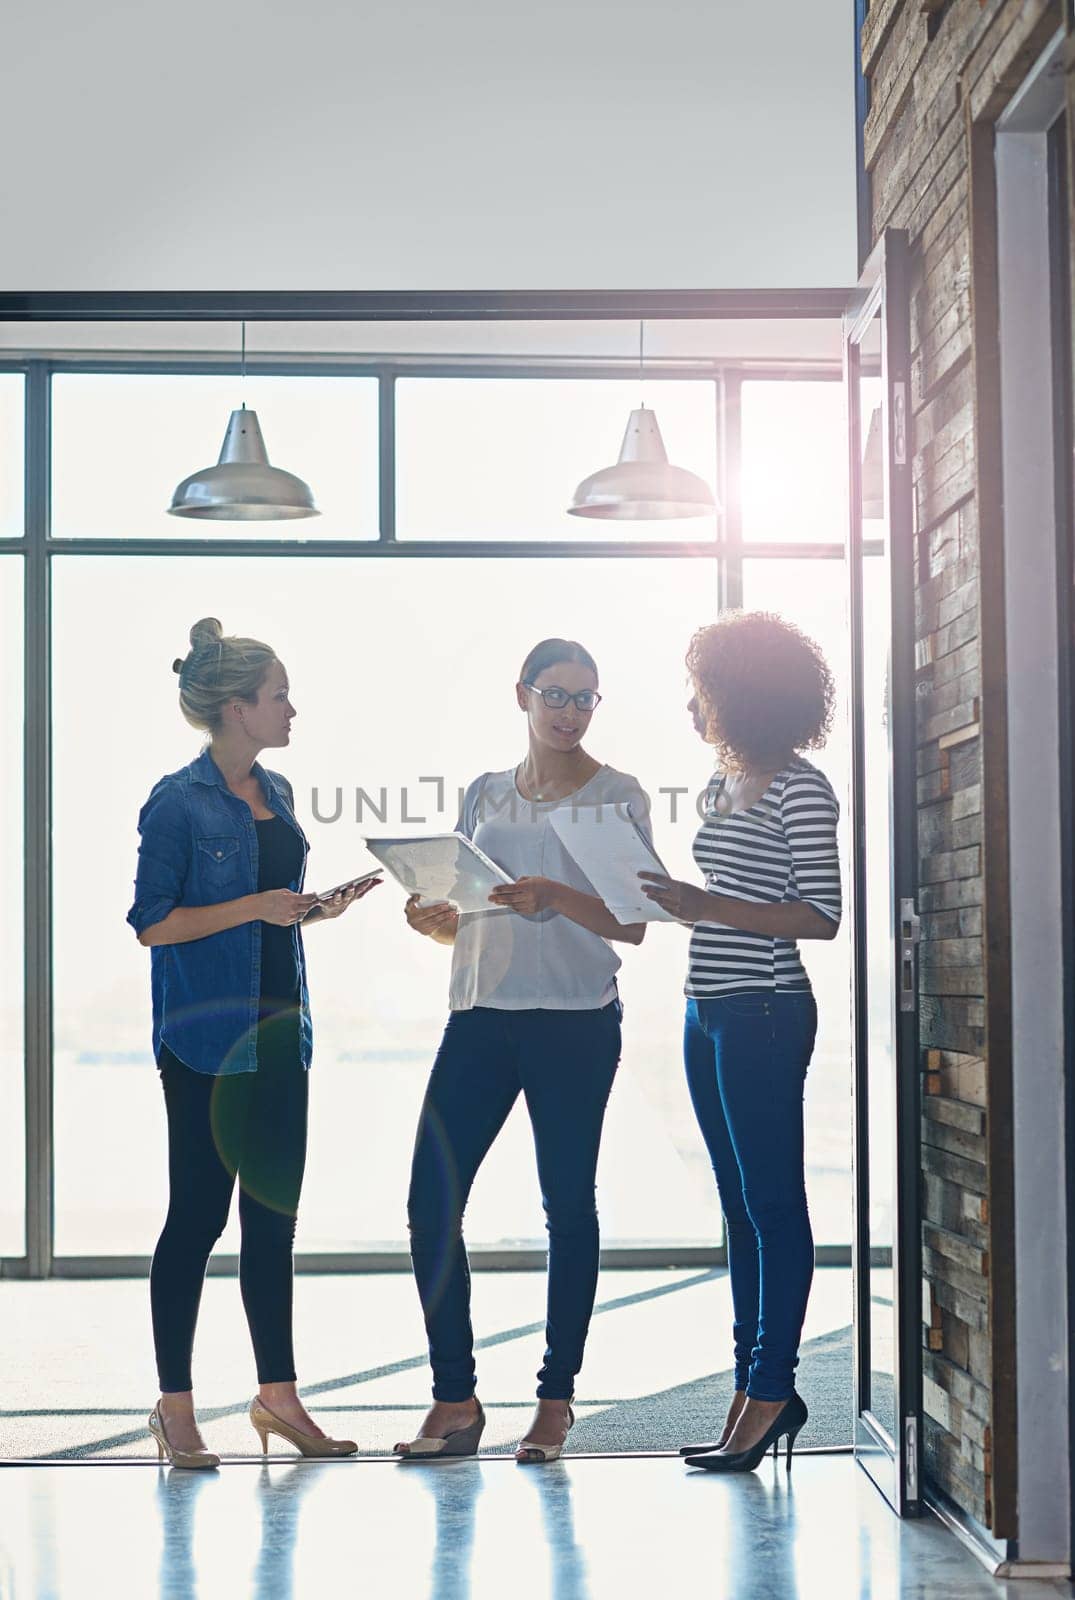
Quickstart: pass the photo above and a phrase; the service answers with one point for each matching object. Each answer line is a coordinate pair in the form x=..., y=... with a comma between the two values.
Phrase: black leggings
x=250, y=1124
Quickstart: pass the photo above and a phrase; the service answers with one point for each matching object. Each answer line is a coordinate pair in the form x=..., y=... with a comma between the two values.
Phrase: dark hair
x=550, y=652
x=764, y=688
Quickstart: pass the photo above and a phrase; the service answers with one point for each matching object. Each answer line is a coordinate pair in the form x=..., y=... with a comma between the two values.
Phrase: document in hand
x=442, y=866
x=612, y=850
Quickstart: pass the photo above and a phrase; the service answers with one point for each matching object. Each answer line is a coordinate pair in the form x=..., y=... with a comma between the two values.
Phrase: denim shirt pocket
x=219, y=864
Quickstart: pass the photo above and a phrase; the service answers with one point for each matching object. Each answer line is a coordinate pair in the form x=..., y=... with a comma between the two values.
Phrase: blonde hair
x=219, y=667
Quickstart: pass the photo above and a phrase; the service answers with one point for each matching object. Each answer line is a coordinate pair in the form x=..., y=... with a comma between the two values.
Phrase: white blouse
x=513, y=962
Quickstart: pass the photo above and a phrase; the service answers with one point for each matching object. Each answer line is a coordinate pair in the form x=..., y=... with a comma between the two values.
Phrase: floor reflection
x=280, y=1494
x=751, y=1519
x=456, y=1489
x=569, y=1577
x=581, y=1529
x=192, y=1561
x=177, y=1495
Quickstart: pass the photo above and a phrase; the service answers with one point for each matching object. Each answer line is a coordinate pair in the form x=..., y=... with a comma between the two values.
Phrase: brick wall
x=936, y=68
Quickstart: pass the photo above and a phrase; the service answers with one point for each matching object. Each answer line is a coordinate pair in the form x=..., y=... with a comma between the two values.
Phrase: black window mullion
x=37, y=811
x=386, y=432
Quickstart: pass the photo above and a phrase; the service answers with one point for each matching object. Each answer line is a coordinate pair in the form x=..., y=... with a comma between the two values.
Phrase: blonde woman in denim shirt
x=219, y=900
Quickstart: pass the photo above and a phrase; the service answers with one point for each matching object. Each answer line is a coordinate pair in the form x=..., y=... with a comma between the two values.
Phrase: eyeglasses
x=556, y=698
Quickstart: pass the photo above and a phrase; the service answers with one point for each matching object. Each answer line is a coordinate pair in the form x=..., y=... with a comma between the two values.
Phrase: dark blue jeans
x=746, y=1057
x=564, y=1063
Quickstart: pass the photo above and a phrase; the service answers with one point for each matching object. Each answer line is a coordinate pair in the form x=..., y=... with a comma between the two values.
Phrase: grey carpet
x=691, y=1412
x=687, y=1413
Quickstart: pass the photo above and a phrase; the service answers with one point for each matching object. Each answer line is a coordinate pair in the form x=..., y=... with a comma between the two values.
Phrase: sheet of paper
x=612, y=850
x=442, y=866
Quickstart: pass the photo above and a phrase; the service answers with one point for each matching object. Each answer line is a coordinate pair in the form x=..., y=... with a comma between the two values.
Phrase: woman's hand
x=282, y=907
x=437, y=921
x=784, y=919
x=684, y=900
x=342, y=899
x=527, y=895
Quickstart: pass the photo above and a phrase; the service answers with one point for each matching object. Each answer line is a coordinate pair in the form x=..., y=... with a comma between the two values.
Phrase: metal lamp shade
x=643, y=485
x=243, y=486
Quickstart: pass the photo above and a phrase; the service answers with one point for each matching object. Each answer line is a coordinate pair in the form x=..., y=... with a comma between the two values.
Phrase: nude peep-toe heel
x=462, y=1442
x=193, y=1460
x=539, y=1455
x=310, y=1444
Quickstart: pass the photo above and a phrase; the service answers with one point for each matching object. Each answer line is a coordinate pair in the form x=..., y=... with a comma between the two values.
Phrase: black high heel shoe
x=790, y=1422
x=717, y=1444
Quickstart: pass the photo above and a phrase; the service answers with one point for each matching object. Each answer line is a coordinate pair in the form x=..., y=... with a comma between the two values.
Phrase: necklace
x=541, y=794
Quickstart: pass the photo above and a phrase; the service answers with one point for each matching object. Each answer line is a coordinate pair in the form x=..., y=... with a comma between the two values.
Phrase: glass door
x=883, y=909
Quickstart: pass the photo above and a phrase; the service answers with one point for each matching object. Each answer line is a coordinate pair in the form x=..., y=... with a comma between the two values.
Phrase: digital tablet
x=442, y=866
x=352, y=883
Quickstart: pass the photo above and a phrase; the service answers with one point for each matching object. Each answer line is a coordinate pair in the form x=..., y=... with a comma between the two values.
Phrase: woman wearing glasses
x=534, y=1009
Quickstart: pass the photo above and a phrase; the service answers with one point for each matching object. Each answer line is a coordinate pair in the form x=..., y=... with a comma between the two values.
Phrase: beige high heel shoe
x=539, y=1455
x=461, y=1442
x=265, y=1422
x=193, y=1460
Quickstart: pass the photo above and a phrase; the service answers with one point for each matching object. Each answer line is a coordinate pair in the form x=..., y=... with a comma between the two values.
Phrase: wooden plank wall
x=937, y=69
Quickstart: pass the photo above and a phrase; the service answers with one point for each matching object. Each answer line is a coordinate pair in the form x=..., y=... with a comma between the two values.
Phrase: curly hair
x=764, y=689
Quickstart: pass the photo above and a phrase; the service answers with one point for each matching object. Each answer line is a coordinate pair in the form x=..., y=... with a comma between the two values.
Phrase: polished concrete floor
x=587, y=1529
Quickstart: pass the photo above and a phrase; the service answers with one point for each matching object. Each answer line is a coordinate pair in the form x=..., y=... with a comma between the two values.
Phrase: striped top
x=781, y=848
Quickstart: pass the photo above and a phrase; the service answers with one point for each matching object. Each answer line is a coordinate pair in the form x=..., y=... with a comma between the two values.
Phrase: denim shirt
x=198, y=846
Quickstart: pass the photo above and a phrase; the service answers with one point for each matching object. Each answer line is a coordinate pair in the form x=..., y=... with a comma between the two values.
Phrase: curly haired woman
x=767, y=851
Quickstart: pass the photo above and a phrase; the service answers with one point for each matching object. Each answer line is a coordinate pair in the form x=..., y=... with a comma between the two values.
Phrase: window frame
x=37, y=546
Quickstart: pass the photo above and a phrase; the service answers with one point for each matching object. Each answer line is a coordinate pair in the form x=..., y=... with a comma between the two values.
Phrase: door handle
x=910, y=934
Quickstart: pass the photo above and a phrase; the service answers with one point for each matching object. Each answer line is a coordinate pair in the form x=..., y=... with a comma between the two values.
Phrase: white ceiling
x=413, y=144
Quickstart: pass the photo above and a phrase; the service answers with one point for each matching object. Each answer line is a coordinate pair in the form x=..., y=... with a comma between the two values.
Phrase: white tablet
x=442, y=866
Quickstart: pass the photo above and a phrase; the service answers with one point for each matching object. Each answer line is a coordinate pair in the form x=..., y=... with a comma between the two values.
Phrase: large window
x=12, y=1134
x=400, y=711
x=794, y=467
x=121, y=444
x=794, y=491
x=12, y=452
x=811, y=594
x=402, y=665
x=500, y=458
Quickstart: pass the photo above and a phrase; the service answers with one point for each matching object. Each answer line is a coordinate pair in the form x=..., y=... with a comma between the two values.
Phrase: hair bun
x=177, y=664
x=207, y=631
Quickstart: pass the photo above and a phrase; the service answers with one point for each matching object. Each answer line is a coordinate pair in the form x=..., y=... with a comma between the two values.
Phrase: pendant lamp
x=243, y=486
x=643, y=485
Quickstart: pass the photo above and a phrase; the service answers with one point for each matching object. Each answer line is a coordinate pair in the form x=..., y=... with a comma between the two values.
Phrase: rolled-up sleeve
x=811, y=812
x=163, y=857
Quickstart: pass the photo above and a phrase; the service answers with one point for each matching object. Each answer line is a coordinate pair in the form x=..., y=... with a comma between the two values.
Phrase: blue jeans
x=563, y=1062
x=746, y=1057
